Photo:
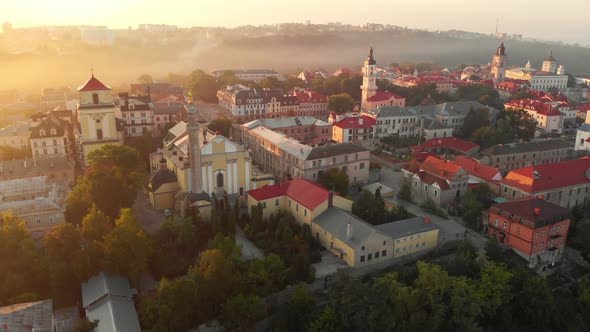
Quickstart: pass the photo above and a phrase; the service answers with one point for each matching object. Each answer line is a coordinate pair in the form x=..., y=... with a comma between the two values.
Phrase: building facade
x=137, y=115
x=498, y=70
x=533, y=228
x=16, y=135
x=305, y=129
x=507, y=157
x=96, y=117
x=52, y=137
x=352, y=128
x=565, y=183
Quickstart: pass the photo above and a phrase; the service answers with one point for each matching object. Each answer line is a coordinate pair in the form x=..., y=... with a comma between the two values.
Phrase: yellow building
x=411, y=236
x=225, y=167
x=348, y=237
x=96, y=117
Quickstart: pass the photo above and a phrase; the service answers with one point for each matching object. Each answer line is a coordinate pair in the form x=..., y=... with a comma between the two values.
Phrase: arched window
x=95, y=98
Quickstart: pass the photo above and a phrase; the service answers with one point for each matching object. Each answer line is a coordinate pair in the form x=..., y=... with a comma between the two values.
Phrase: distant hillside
x=288, y=52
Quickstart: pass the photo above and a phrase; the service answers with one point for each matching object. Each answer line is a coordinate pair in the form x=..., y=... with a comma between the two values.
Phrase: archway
x=219, y=180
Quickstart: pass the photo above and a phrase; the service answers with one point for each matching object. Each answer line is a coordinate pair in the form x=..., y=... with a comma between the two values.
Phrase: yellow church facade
x=96, y=117
x=226, y=167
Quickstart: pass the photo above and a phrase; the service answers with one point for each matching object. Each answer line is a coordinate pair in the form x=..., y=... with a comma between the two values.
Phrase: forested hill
x=347, y=48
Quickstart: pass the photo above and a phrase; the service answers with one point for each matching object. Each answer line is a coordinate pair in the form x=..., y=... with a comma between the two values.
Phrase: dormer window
x=95, y=98
x=53, y=131
x=42, y=132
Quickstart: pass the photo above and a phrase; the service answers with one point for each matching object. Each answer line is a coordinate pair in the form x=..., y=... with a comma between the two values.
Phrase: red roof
x=383, y=96
x=537, y=210
x=431, y=179
x=449, y=142
x=440, y=168
x=305, y=192
x=354, y=122
x=538, y=178
x=472, y=167
x=93, y=84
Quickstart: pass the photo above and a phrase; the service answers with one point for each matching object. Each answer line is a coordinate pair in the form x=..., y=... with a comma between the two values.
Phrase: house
x=549, y=118
x=58, y=169
x=479, y=173
x=305, y=129
x=533, y=228
x=351, y=128
x=583, y=135
x=411, y=236
x=16, y=135
x=244, y=103
x=507, y=157
x=27, y=317
x=137, y=114
x=287, y=158
x=109, y=299
x=384, y=98
x=565, y=183
x=449, y=146
x=52, y=137
x=311, y=103
x=167, y=112
x=439, y=180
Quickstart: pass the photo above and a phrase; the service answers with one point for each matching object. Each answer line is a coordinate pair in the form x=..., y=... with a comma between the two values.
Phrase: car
x=167, y=212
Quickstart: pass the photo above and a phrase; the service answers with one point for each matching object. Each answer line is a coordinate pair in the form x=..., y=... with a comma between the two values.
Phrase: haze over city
x=544, y=19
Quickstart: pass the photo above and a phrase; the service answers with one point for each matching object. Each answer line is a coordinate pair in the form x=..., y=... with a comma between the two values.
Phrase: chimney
x=427, y=220
x=330, y=199
x=537, y=211
x=348, y=231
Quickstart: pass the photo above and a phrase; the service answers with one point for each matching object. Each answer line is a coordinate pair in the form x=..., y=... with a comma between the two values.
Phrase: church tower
x=528, y=64
x=369, y=87
x=549, y=63
x=96, y=116
x=194, y=132
x=498, y=64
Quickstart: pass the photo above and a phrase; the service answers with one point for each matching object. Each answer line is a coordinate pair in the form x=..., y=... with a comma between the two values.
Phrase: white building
x=369, y=87
x=583, y=135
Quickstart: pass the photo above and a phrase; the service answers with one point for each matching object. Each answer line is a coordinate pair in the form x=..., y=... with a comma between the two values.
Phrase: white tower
x=369, y=87
x=561, y=70
x=550, y=64
x=499, y=61
x=528, y=64
x=194, y=131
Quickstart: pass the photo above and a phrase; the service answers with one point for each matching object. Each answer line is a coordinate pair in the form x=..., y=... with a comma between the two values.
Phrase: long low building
x=348, y=237
x=287, y=158
x=507, y=157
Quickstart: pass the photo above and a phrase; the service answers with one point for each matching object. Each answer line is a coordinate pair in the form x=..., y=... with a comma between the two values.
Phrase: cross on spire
x=92, y=71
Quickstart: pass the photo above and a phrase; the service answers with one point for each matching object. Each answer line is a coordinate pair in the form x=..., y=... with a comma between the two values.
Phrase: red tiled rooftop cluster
x=448, y=142
x=539, y=178
x=305, y=192
x=354, y=122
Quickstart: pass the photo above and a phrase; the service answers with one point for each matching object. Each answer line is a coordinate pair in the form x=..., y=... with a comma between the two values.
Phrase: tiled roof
x=449, y=142
x=383, y=96
x=93, y=84
x=406, y=227
x=332, y=150
x=476, y=169
x=353, y=122
x=544, y=145
x=432, y=179
x=440, y=168
x=305, y=192
x=539, y=178
x=546, y=212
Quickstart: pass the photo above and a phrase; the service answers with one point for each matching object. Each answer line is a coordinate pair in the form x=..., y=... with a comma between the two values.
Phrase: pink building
x=352, y=128
x=384, y=98
x=311, y=103
x=305, y=129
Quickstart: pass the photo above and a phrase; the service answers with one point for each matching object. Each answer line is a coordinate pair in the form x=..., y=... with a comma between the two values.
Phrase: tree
x=223, y=126
x=241, y=312
x=326, y=321
x=475, y=201
x=341, y=103
x=581, y=236
x=145, y=145
x=145, y=78
x=84, y=325
x=203, y=86
x=370, y=207
x=335, y=179
x=95, y=225
x=175, y=247
x=115, y=174
x=525, y=124
x=63, y=254
x=493, y=289
x=300, y=308
x=405, y=192
x=21, y=275
x=127, y=248
x=474, y=120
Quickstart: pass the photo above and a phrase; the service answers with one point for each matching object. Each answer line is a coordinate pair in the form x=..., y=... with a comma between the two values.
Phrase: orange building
x=535, y=229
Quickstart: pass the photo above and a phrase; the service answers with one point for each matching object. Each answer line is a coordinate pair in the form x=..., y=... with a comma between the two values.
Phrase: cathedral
x=195, y=163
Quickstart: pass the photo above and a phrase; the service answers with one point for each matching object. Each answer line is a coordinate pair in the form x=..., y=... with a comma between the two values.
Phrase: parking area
x=329, y=265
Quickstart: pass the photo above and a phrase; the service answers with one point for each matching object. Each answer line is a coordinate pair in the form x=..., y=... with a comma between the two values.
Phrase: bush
x=430, y=206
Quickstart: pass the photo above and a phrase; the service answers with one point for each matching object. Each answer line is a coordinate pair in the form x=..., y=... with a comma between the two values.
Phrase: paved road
x=149, y=219
x=248, y=249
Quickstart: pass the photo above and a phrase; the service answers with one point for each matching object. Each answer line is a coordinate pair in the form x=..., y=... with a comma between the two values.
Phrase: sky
x=564, y=20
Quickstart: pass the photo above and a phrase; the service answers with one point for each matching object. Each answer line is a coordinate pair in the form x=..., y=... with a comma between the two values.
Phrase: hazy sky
x=565, y=20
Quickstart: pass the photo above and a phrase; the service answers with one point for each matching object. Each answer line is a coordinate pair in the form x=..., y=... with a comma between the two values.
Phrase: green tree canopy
x=341, y=103
x=223, y=126
x=335, y=179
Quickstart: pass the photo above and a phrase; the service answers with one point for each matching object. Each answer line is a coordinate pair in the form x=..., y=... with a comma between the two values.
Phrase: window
x=425, y=187
x=99, y=133
x=384, y=242
x=504, y=224
x=305, y=212
x=362, y=166
x=363, y=248
x=362, y=258
x=297, y=207
x=397, y=250
x=276, y=202
x=289, y=203
x=264, y=205
x=376, y=255
x=384, y=253
x=517, y=230
x=42, y=133
x=370, y=256
x=412, y=237
x=95, y=98
x=38, y=221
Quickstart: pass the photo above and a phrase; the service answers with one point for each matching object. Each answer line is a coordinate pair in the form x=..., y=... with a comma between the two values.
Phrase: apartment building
x=311, y=103
x=507, y=157
x=52, y=137
x=137, y=114
x=352, y=128
x=305, y=129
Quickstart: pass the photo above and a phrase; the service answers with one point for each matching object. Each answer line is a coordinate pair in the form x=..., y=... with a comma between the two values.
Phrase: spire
x=528, y=64
x=549, y=56
x=501, y=49
x=370, y=60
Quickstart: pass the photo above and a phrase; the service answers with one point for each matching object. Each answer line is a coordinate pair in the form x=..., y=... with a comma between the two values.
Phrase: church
x=370, y=97
x=194, y=163
x=98, y=125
